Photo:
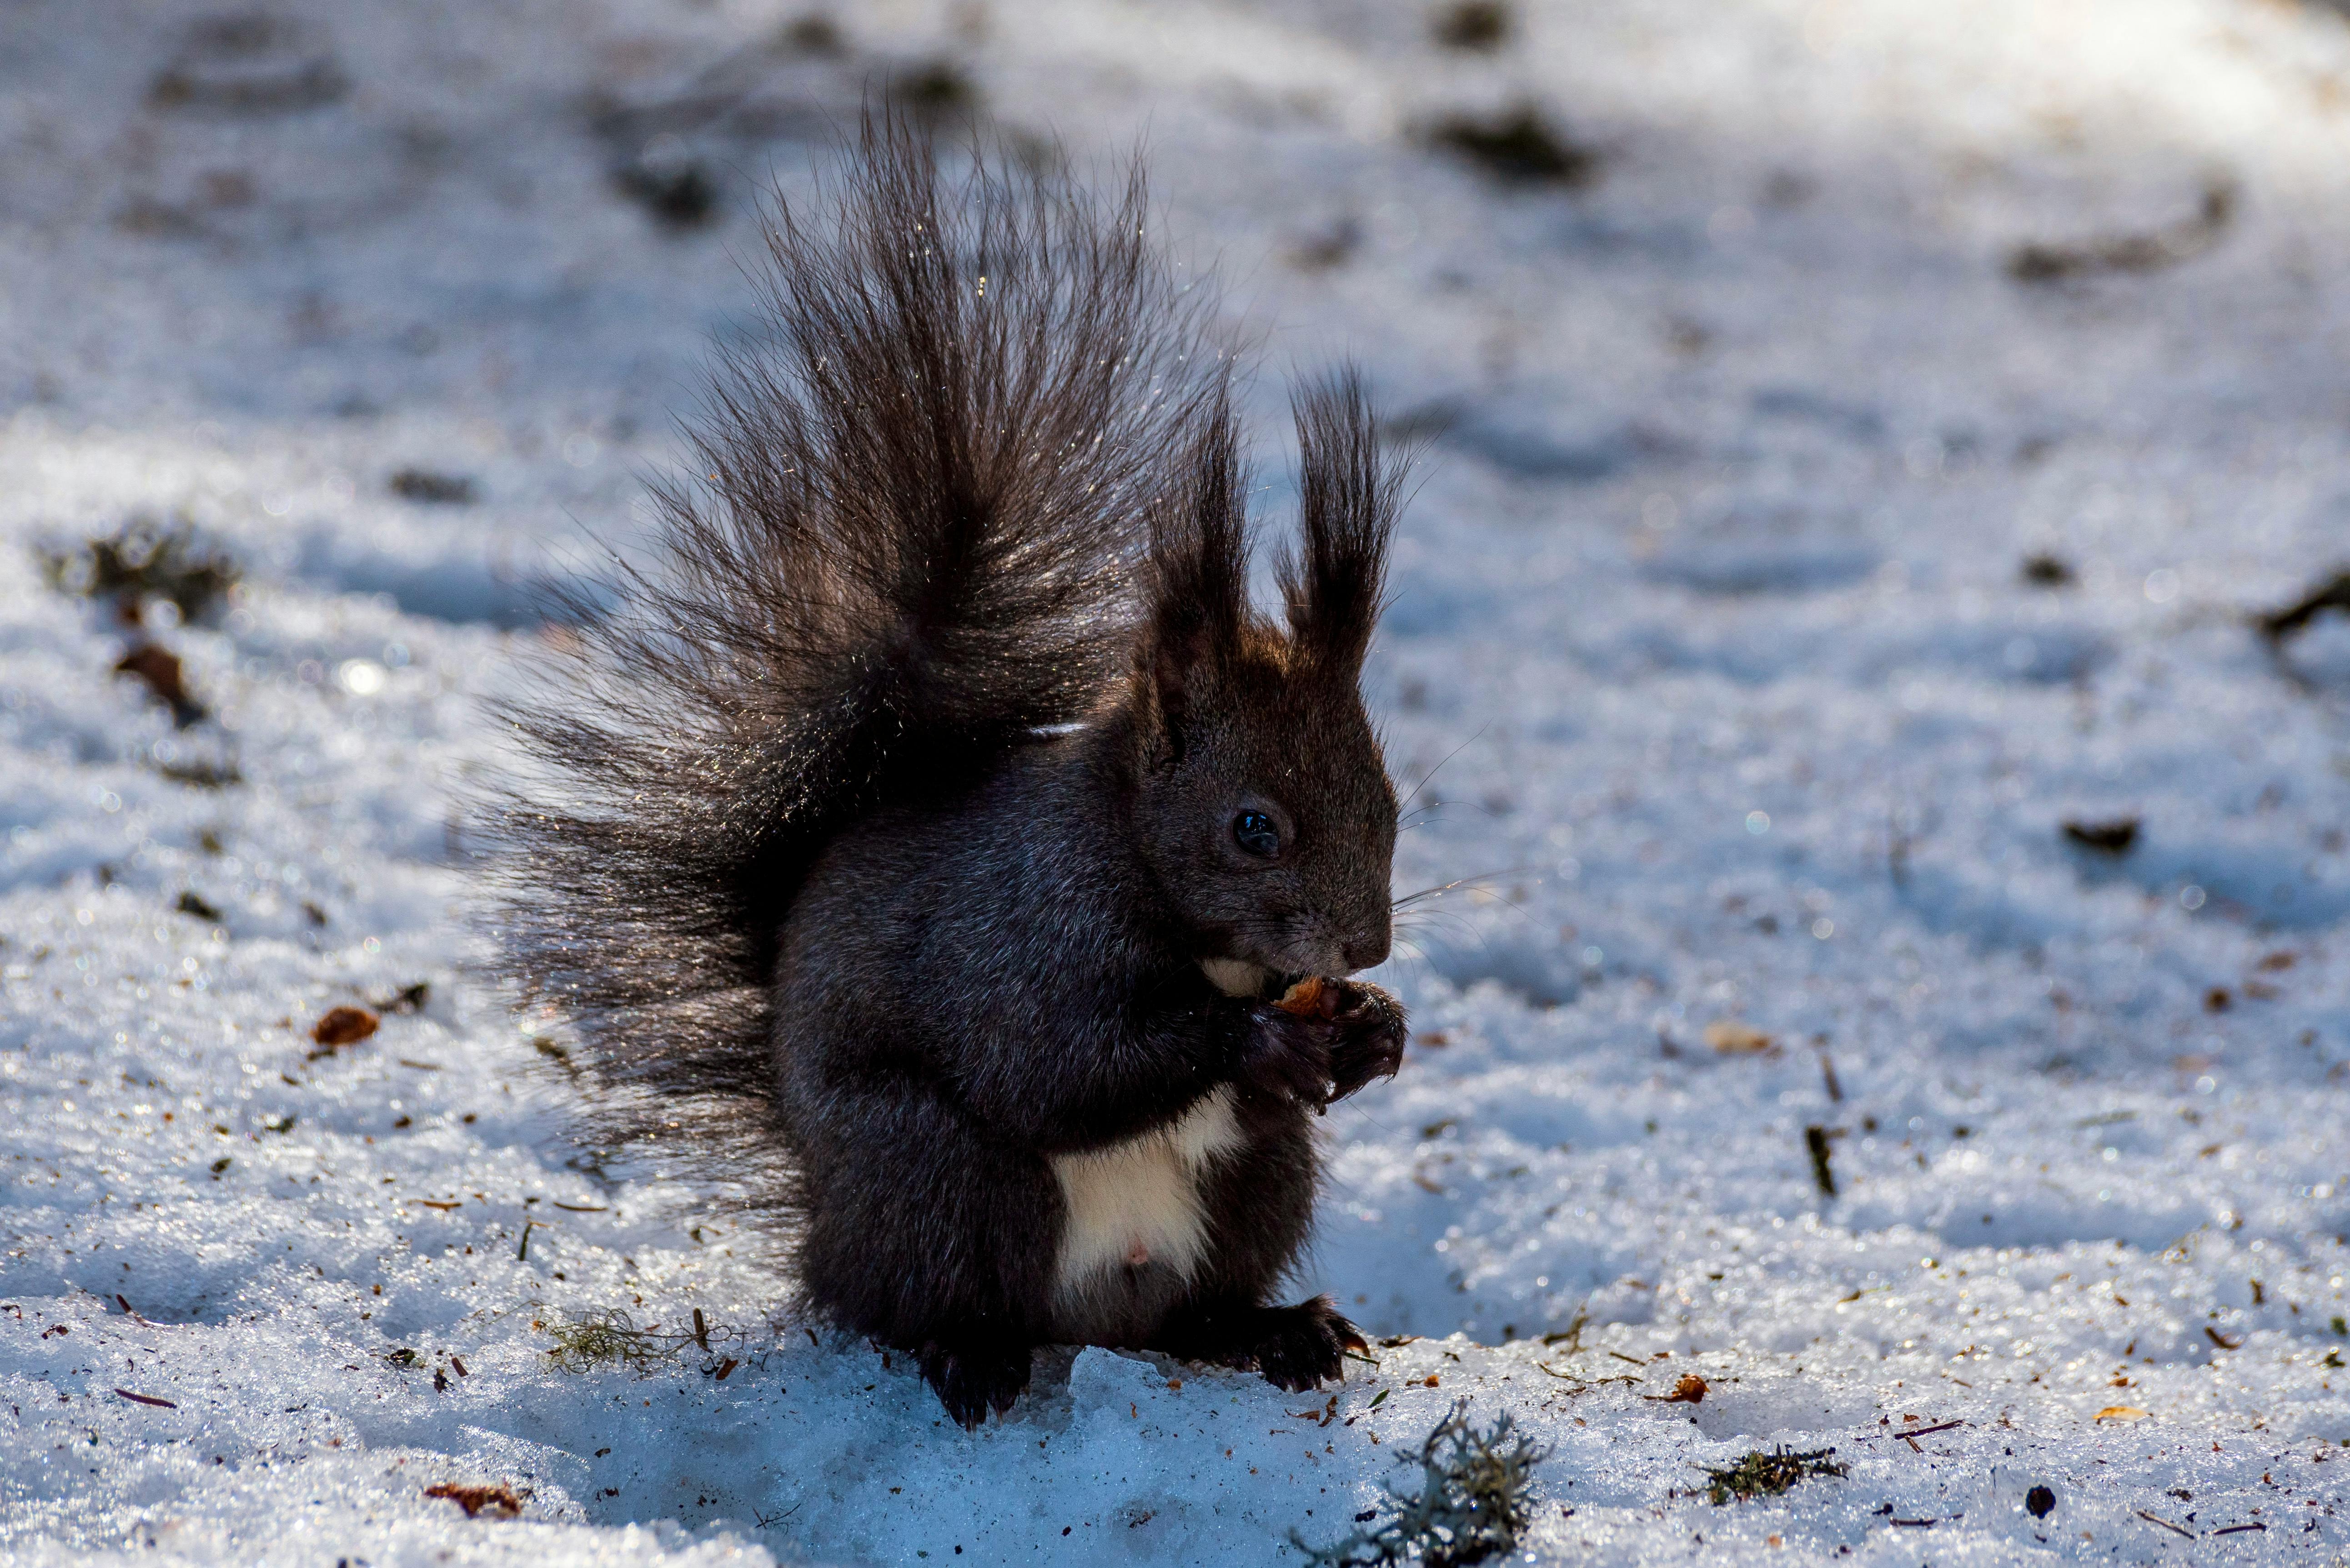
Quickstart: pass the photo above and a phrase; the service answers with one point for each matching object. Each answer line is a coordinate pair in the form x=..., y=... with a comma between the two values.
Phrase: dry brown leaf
x=1732, y=1038
x=1689, y=1390
x=494, y=1501
x=159, y=669
x=343, y=1026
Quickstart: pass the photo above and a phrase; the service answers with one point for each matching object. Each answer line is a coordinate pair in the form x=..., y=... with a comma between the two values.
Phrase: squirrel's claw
x=971, y=1379
x=1371, y=1043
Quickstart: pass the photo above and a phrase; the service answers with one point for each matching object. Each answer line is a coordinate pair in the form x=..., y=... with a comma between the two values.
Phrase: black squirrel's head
x=1261, y=800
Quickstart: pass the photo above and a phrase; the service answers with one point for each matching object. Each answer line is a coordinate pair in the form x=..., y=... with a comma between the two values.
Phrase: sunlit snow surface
x=1711, y=595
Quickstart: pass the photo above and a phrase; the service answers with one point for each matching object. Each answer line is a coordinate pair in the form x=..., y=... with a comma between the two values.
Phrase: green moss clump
x=1767, y=1475
x=608, y=1337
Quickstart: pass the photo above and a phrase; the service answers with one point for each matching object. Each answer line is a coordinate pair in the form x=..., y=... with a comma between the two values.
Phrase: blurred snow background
x=1862, y=434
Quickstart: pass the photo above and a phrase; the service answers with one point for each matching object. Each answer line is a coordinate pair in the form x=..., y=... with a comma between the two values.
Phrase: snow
x=1712, y=662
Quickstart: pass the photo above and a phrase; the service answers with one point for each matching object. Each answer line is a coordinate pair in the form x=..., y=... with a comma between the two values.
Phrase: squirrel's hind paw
x=972, y=1377
x=1295, y=1347
x=1306, y=1345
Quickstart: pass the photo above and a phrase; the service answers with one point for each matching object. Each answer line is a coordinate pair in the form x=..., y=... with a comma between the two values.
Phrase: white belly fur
x=1138, y=1201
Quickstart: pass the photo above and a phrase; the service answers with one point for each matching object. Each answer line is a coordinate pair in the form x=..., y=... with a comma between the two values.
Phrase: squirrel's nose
x=1363, y=952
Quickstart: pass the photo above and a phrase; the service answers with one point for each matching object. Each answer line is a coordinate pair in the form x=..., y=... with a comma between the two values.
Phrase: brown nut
x=1310, y=997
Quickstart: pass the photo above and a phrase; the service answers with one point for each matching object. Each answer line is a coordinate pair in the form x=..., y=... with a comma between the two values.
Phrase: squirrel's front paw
x=1327, y=1039
x=1290, y=1054
x=1370, y=1024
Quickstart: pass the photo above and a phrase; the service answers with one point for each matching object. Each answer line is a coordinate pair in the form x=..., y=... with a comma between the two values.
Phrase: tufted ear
x=1199, y=568
x=1348, y=490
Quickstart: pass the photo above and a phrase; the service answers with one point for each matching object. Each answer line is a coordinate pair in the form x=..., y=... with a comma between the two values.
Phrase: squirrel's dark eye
x=1254, y=832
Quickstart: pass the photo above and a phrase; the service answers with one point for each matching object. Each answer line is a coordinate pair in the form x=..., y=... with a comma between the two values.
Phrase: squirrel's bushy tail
x=908, y=540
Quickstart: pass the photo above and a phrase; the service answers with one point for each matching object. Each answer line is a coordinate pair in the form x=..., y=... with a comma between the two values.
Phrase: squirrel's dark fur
x=926, y=843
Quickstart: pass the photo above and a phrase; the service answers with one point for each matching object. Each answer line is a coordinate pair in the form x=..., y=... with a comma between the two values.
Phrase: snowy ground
x=1712, y=597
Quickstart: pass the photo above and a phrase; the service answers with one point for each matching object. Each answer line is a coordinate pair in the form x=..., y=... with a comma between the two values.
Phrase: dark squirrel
x=937, y=846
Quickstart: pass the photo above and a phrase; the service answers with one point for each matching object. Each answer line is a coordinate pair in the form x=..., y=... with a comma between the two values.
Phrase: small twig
x=132, y=1313
x=1912, y=1432
x=146, y=1400
x=1572, y=1335
x=1582, y=1383
x=2332, y=593
x=2174, y=1529
x=2238, y=1528
x=1633, y=1359
x=1815, y=1139
x=2042, y=262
